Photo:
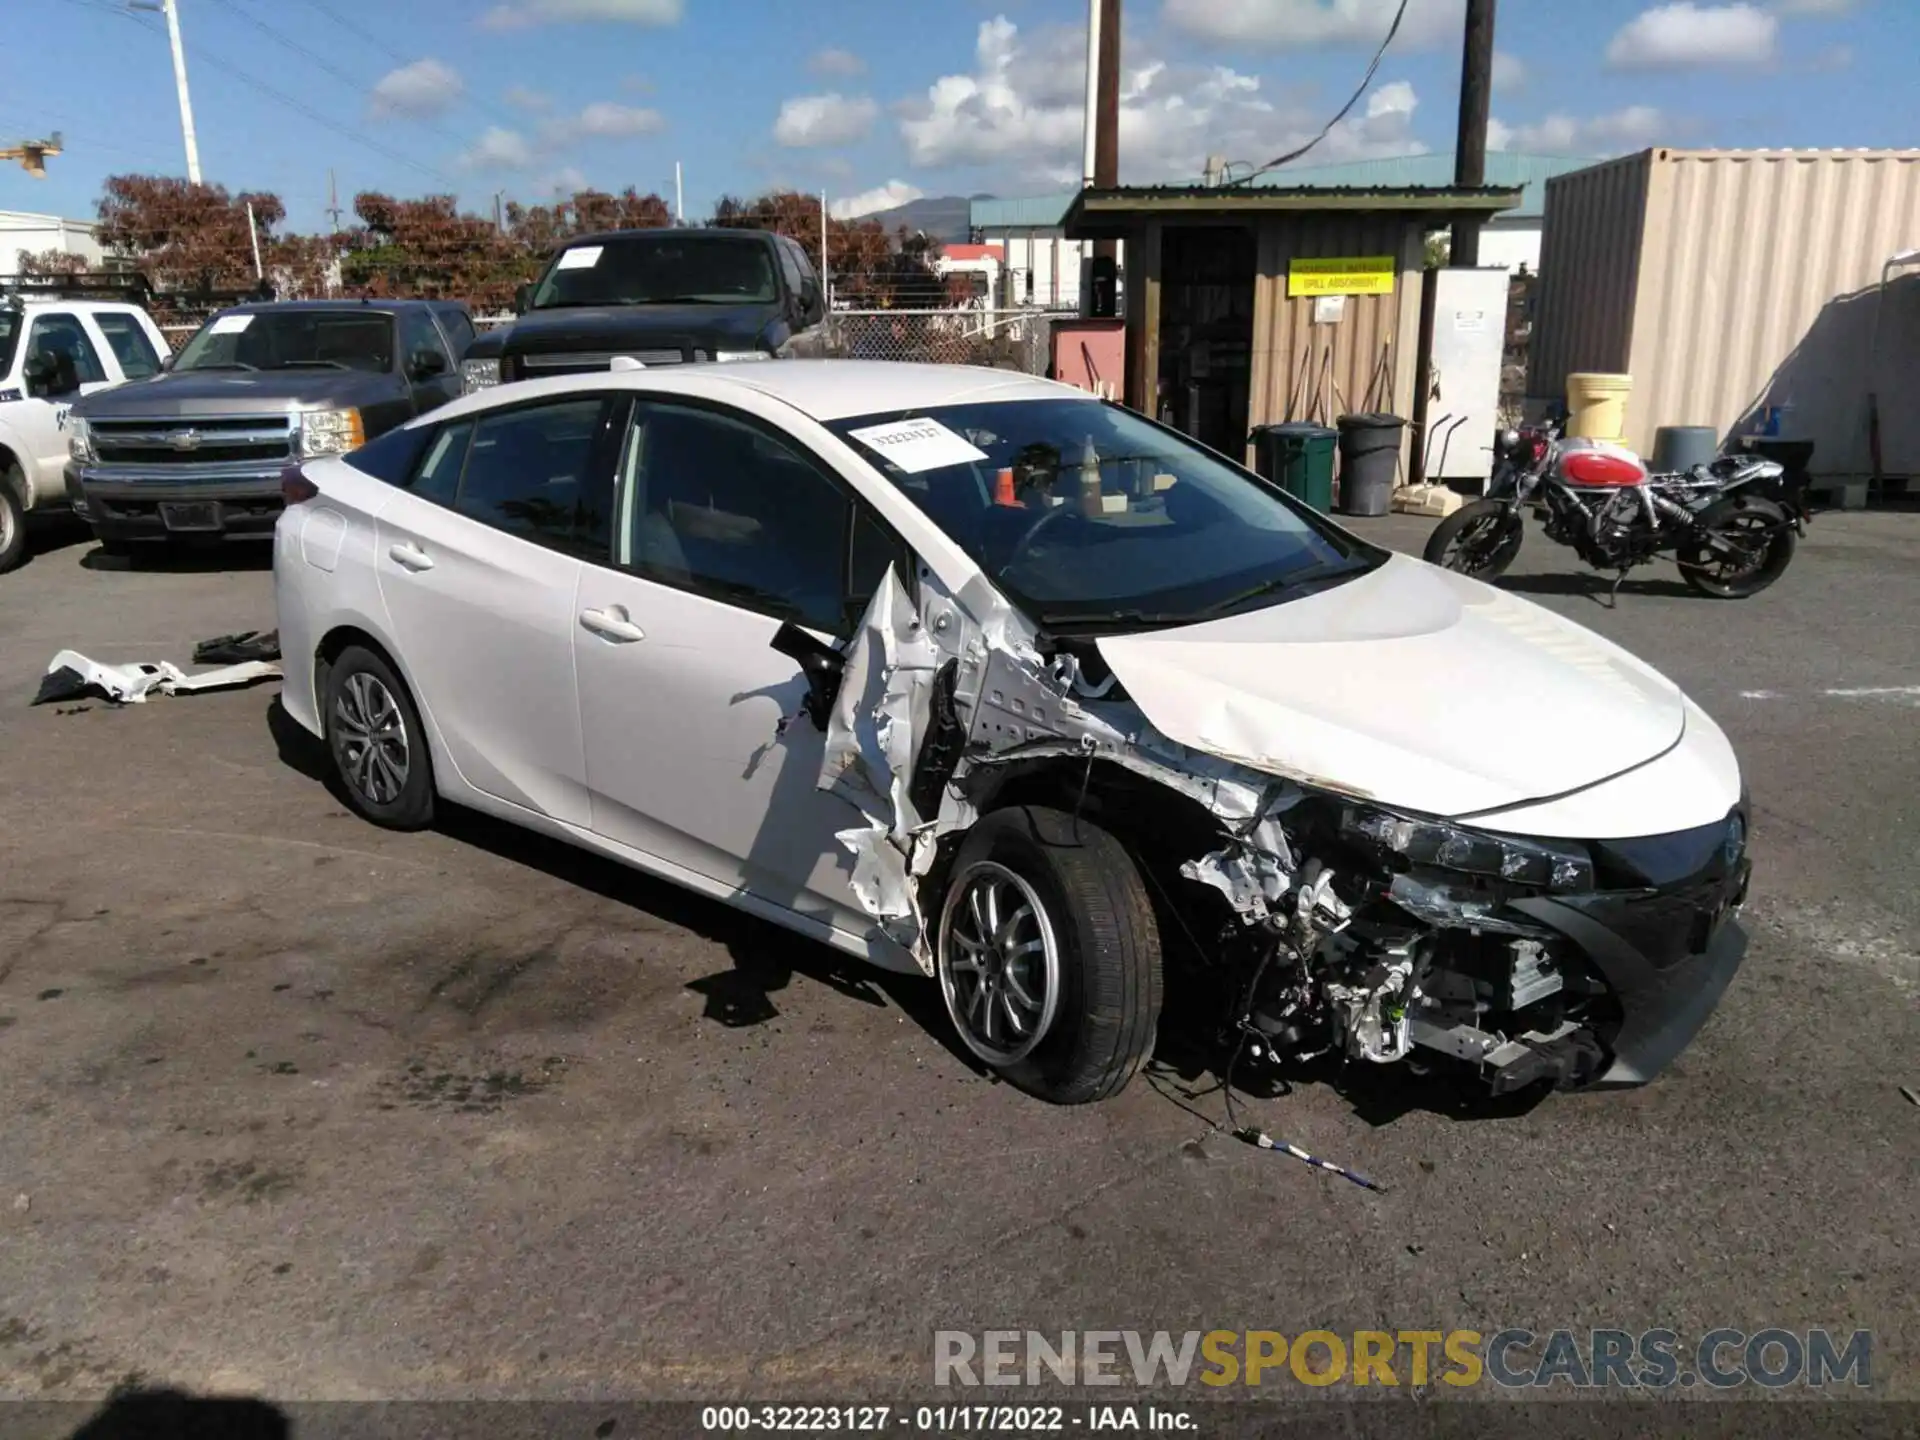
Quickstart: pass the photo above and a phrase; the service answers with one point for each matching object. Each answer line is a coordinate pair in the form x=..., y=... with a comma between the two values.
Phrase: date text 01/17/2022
x=943, y=1419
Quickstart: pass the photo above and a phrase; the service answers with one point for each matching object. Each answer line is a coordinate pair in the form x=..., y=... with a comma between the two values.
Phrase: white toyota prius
x=976, y=675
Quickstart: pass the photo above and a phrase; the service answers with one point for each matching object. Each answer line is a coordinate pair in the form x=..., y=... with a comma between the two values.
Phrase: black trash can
x=1297, y=457
x=1369, y=456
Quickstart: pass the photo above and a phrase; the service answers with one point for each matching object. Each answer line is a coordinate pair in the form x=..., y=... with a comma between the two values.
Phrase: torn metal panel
x=72, y=675
x=1446, y=910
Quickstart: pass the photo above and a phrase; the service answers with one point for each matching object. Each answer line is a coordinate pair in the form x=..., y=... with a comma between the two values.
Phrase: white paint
x=1863, y=692
x=581, y=257
x=918, y=445
x=230, y=324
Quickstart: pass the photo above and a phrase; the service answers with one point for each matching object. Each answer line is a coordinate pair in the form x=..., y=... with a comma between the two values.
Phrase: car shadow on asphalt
x=160, y=1414
x=183, y=559
x=765, y=956
x=1593, y=585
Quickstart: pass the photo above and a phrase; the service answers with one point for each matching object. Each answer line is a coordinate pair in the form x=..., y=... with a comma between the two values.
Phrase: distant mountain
x=944, y=217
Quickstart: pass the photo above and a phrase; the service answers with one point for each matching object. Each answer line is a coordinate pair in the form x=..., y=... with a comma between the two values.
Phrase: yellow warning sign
x=1353, y=275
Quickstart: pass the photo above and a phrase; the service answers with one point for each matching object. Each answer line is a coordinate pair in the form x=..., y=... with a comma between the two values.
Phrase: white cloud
x=1815, y=7
x=523, y=98
x=1616, y=133
x=831, y=119
x=1308, y=24
x=1509, y=73
x=605, y=118
x=1021, y=109
x=567, y=181
x=521, y=13
x=499, y=149
x=419, y=91
x=841, y=64
x=1684, y=35
x=870, y=202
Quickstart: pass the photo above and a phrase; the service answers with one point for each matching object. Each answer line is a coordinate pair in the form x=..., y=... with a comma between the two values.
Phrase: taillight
x=295, y=487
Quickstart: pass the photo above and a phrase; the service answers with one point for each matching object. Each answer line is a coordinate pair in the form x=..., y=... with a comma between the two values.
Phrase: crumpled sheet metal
x=872, y=736
x=72, y=675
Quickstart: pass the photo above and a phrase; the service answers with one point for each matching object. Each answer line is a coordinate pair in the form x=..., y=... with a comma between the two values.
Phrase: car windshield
x=292, y=340
x=655, y=271
x=1087, y=515
x=9, y=337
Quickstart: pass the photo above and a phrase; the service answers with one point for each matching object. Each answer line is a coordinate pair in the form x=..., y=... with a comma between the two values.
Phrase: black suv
x=197, y=451
x=661, y=297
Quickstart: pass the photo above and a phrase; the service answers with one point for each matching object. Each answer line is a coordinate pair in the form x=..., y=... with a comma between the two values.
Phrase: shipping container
x=1729, y=282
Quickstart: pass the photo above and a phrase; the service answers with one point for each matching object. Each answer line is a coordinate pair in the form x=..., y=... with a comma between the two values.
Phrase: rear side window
x=438, y=478
x=131, y=347
x=459, y=330
x=393, y=456
x=532, y=472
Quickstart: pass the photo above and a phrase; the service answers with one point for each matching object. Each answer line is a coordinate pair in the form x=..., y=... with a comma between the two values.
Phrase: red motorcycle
x=1731, y=526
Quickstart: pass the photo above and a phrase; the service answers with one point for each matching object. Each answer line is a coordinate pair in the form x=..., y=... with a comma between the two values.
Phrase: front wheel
x=1048, y=956
x=1748, y=544
x=13, y=519
x=1480, y=539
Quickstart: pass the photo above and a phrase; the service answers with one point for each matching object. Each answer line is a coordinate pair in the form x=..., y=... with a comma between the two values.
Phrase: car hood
x=188, y=394
x=1412, y=686
x=703, y=327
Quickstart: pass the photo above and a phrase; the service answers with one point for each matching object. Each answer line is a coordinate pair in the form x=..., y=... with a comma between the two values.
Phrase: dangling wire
x=1365, y=80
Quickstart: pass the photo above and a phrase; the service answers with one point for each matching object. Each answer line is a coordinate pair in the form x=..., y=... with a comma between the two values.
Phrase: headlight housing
x=478, y=375
x=725, y=356
x=330, y=432
x=1556, y=867
x=80, y=439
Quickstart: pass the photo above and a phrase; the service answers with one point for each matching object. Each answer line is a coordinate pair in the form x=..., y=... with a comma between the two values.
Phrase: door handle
x=410, y=555
x=612, y=624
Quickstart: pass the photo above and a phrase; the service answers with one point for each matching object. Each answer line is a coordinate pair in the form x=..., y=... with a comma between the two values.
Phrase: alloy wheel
x=370, y=742
x=998, y=963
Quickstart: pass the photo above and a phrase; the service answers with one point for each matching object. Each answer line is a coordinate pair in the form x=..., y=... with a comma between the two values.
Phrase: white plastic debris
x=73, y=676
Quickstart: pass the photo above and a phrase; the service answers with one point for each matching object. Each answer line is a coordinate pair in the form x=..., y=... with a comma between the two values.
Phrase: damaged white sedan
x=973, y=674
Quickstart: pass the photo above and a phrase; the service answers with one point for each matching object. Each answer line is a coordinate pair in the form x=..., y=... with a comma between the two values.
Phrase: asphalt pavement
x=299, y=1108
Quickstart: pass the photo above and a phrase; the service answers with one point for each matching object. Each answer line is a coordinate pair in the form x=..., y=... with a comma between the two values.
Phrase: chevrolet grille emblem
x=186, y=440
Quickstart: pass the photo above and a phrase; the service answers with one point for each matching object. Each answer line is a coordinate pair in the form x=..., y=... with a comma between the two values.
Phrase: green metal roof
x=1505, y=168
x=1037, y=212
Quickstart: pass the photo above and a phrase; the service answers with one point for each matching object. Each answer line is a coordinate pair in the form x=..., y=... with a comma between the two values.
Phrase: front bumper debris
x=164, y=502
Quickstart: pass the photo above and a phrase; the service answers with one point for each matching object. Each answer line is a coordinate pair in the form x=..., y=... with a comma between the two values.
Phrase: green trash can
x=1298, y=457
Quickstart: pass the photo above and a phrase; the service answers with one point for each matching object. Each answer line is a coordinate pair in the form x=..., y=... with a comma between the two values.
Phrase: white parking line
x=1910, y=694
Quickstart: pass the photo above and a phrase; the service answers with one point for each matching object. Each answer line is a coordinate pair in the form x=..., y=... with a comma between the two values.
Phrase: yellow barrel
x=1597, y=406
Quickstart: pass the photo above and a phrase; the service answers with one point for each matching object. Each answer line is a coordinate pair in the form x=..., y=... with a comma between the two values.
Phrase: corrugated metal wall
x=1303, y=371
x=1589, y=265
x=1757, y=282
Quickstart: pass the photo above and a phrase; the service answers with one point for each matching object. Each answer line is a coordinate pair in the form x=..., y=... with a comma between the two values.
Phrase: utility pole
x=499, y=212
x=1100, y=158
x=1470, y=148
x=679, y=197
x=333, y=202
x=33, y=154
x=824, y=282
x=253, y=233
x=171, y=9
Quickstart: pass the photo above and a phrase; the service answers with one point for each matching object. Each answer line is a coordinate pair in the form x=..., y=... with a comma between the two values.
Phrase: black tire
x=1483, y=556
x=1106, y=941
x=352, y=710
x=1702, y=569
x=13, y=519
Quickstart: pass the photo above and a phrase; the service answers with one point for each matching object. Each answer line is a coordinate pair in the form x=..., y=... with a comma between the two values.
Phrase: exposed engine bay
x=1338, y=926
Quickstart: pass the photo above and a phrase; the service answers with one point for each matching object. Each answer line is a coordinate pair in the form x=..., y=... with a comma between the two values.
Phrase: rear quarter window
x=393, y=456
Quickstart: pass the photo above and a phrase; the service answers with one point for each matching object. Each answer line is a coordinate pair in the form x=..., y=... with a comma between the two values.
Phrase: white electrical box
x=1467, y=343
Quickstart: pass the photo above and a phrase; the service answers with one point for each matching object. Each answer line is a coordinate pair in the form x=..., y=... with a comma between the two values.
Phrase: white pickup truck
x=52, y=351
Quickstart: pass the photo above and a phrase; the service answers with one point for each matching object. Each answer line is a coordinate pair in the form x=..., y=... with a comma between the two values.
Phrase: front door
x=479, y=562
x=696, y=748
x=42, y=419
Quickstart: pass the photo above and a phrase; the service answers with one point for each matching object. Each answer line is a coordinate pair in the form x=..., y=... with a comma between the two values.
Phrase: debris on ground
x=1912, y=1095
x=72, y=676
x=238, y=648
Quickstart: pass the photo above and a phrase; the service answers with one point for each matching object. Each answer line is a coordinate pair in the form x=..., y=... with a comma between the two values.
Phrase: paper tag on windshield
x=916, y=445
x=581, y=257
x=231, y=324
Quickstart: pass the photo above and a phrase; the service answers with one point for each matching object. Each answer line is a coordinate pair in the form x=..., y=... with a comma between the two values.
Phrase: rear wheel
x=1048, y=955
x=378, y=746
x=1479, y=539
x=13, y=518
x=1754, y=542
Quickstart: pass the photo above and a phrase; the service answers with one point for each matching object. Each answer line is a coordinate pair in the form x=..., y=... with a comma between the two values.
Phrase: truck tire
x=1045, y=920
x=13, y=518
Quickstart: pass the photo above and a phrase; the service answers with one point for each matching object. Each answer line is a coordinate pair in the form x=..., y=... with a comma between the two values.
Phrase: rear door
x=726, y=526
x=420, y=340
x=479, y=562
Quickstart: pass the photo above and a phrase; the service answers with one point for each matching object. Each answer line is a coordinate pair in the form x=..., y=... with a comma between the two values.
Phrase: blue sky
x=878, y=99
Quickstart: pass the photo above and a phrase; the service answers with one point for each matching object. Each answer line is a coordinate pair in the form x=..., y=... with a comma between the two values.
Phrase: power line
x=1327, y=129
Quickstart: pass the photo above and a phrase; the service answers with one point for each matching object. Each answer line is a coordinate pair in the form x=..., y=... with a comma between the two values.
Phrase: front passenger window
x=531, y=471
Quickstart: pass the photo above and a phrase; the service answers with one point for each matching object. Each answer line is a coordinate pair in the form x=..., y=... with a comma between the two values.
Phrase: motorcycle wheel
x=1763, y=541
x=1479, y=539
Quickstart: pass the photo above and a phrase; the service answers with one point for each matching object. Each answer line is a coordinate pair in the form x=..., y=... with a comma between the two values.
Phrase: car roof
x=374, y=307
x=824, y=390
x=54, y=302
x=671, y=232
